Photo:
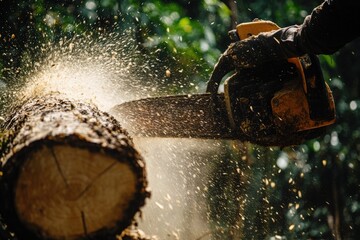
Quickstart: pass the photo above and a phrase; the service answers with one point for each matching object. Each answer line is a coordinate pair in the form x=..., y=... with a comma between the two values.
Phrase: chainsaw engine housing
x=281, y=103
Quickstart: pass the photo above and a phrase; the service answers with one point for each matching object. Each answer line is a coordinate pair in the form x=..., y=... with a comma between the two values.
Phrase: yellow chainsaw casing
x=302, y=103
x=248, y=29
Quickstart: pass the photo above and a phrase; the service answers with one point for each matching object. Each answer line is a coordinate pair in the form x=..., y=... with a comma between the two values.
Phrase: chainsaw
x=280, y=103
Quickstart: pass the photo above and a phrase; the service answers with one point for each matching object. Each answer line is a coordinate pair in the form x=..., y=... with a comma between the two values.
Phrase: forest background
x=317, y=183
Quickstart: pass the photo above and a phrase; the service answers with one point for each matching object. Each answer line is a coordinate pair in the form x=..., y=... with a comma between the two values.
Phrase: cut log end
x=70, y=185
x=66, y=191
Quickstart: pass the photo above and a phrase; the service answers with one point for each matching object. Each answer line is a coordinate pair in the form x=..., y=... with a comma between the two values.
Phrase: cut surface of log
x=86, y=191
x=69, y=171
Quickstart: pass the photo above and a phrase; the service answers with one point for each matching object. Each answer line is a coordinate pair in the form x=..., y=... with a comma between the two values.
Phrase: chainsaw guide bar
x=185, y=116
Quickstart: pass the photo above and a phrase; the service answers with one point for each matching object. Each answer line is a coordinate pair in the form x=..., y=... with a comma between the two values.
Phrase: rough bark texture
x=68, y=171
x=134, y=233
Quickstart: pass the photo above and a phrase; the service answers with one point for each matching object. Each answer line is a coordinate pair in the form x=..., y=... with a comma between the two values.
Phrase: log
x=68, y=171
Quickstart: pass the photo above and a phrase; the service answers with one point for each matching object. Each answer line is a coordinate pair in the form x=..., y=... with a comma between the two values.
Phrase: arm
x=325, y=31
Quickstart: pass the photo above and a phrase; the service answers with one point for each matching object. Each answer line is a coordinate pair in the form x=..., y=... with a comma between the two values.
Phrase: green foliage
x=187, y=45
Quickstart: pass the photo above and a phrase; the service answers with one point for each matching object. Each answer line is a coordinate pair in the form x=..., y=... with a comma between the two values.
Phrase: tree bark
x=68, y=171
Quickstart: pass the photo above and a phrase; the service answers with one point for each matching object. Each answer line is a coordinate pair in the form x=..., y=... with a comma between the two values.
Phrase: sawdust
x=103, y=71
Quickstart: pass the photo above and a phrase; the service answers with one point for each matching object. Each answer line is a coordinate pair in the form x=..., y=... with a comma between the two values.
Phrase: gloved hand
x=256, y=50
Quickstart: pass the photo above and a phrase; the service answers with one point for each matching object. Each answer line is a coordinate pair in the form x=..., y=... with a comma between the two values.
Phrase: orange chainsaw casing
x=295, y=107
x=291, y=107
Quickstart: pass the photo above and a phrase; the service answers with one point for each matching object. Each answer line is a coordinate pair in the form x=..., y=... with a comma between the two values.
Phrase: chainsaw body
x=280, y=101
x=277, y=104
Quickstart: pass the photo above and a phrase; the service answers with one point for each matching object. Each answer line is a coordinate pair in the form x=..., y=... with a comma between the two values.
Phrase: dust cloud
x=180, y=176
x=104, y=71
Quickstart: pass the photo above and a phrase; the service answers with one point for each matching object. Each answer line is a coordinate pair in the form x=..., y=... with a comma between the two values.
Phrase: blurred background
x=201, y=189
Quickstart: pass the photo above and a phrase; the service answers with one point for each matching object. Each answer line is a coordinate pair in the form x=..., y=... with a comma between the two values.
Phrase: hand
x=255, y=51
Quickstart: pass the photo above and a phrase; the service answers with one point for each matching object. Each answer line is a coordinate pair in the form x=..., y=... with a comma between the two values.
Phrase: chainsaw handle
x=225, y=64
x=248, y=29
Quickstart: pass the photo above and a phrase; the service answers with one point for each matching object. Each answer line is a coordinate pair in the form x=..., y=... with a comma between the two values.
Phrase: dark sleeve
x=329, y=27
